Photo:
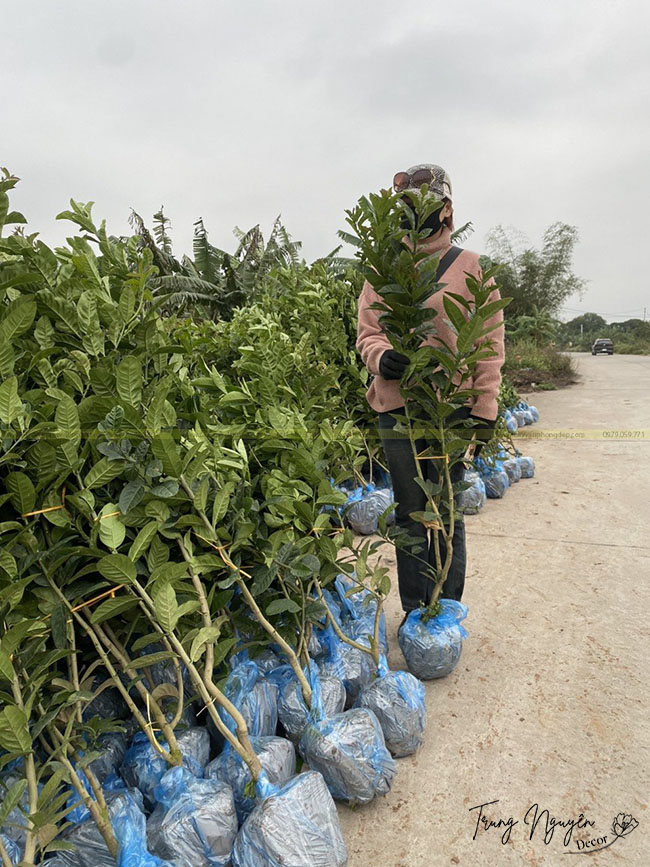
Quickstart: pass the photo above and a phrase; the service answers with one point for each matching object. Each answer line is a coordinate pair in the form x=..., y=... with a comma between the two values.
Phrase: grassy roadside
x=536, y=367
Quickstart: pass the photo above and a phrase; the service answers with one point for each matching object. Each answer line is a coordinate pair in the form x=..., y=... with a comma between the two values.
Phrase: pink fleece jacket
x=384, y=395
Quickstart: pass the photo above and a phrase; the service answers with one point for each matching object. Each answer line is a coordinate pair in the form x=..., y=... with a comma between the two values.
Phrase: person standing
x=383, y=395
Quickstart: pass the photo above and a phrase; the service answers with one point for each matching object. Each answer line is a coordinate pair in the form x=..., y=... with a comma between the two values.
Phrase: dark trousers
x=415, y=586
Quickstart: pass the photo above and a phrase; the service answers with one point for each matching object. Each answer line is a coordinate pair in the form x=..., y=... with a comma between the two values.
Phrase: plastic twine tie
x=264, y=788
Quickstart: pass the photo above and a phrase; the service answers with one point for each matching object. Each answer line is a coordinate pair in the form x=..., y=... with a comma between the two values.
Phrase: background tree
x=536, y=279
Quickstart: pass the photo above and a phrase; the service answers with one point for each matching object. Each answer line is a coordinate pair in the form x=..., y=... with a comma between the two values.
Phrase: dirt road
x=549, y=704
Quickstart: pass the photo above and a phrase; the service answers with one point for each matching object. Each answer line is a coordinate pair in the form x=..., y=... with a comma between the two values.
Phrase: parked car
x=602, y=346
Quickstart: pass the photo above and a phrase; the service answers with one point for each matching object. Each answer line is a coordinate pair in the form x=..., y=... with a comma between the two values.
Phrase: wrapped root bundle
x=292, y=711
x=432, y=646
x=255, y=697
x=472, y=499
x=397, y=700
x=277, y=757
x=195, y=823
x=354, y=667
x=349, y=751
x=293, y=825
x=143, y=767
x=527, y=467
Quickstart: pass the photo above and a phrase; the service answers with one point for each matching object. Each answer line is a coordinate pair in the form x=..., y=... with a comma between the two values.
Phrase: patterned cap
x=440, y=185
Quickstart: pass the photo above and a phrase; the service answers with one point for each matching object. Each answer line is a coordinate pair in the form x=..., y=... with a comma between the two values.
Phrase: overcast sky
x=237, y=111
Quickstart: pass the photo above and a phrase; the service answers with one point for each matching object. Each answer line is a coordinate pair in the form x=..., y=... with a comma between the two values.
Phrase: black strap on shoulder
x=450, y=256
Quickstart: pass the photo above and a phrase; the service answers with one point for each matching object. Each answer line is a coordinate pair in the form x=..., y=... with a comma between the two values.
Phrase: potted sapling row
x=348, y=747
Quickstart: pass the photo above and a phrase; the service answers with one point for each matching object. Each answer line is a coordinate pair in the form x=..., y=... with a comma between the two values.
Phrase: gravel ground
x=549, y=703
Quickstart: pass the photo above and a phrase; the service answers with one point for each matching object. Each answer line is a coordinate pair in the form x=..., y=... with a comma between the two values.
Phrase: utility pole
x=644, y=309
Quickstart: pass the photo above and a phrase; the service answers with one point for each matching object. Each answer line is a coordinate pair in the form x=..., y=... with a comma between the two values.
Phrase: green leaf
x=278, y=606
x=68, y=428
x=143, y=540
x=8, y=563
x=201, y=495
x=150, y=659
x=6, y=359
x=132, y=494
x=154, y=413
x=102, y=472
x=168, y=572
x=14, y=731
x=206, y=635
x=18, y=318
x=221, y=501
x=6, y=666
x=129, y=380
x=126, y=304
x=145, y=641
x=117, y=568
x=454, y=313
x=164, y=448
x=165, y=605
x=167, y=488
x=188, y=607
x=59, y=620
x=111, y=530
x=13, y=593
x=10, y=404
x=11, y=798
x=112, y=607
x=13, y=637
x=21, y=492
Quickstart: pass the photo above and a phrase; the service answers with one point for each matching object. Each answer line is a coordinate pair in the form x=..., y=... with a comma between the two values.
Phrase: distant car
x=602, y=346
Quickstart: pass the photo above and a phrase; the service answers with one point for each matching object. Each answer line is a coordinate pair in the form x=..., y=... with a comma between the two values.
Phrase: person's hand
x=484, y=430
x=392, y=364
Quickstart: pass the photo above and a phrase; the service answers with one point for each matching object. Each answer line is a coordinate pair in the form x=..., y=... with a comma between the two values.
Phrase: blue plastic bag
x=254, y=697
x=534, y=412
x=317, y=643
x=348, y=749
x=364, y=507
x=277, y=757
x=107, y=704
x=495, y=480
x=266, y=661
x=432, y=648
x=354, y=667
x=13, y=850
x=143, y=767
x=511, y=422
x=15, y=824
x=397, y=700
x=512, y=469
x=472, y=500
x=527, y=466
x=125, y=809
x=130, y=827
x=292, y=711
x=194, y=823
x=293, y=824
x=359, y=609
x=113, y=747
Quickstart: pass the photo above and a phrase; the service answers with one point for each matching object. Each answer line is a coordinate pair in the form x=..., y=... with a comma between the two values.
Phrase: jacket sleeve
x=487, y=374
x=371, y=340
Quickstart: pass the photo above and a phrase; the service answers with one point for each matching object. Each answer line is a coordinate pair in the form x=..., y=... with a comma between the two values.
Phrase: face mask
x=433, y=222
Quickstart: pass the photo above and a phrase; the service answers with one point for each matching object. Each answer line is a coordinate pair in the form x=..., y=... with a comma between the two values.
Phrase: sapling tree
x=437, y=381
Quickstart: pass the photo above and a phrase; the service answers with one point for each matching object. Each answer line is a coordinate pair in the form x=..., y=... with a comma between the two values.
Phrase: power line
x=628, y=314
